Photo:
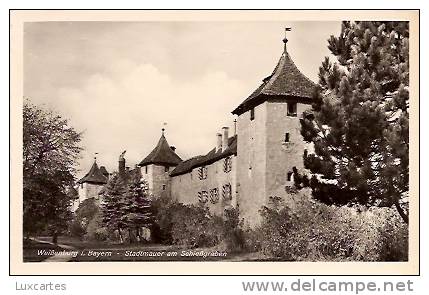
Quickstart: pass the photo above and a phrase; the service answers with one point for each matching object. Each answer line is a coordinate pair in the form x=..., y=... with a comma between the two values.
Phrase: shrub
x=194, y=226
x=76, y=229
x=312, y=231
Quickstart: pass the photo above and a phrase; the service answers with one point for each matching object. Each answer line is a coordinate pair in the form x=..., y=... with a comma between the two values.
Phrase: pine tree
x=113, y=205
x=359, y=119
x=138, y=207
x=126, y=204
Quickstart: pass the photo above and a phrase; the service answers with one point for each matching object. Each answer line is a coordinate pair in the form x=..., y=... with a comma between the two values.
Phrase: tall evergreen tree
x=126, y=204
x=359, y=120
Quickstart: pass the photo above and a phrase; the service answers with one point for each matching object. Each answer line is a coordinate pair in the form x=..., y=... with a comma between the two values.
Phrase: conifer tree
x=359, y=119
x=126, y=204
x=113, y=205
x=138, y=207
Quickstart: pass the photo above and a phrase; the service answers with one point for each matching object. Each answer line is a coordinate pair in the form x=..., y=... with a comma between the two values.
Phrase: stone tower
x=270, y=143
x=91, y=184
x=156, y=167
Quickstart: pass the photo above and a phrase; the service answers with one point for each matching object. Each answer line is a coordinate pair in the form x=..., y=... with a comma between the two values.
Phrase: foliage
x=86, y=217
x=126, y=205
x=313, y=231
x=50, y=151
x=359, y=120
x=194, y=226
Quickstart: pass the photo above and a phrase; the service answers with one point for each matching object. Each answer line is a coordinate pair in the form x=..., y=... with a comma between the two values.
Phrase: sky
x=119, y=82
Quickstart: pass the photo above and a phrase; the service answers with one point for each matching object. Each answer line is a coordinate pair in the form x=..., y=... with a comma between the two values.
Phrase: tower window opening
x=166, y=168
x=291, y=109
x=289, y=176
x=145, y=169
x=252, y=114
x=287, y=137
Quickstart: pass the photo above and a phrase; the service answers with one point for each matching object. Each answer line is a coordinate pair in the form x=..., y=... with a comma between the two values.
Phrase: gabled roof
x=94, y=176
x=209, y=158
x=162, y=154
x=286, y=82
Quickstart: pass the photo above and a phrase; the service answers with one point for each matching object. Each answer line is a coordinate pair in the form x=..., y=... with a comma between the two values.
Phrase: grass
x=32, y=247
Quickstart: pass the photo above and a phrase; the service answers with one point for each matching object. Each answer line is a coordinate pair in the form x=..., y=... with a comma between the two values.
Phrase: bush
x=312, y=231
x=194, y=226
x=76, y=229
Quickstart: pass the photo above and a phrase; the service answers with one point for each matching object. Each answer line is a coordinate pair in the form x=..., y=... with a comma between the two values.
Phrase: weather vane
x=287, y=29
x=163, y=128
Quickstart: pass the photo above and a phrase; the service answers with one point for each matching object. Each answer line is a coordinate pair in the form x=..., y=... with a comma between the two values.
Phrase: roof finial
x=287, y=29
x=163, y=128
x=95, y=157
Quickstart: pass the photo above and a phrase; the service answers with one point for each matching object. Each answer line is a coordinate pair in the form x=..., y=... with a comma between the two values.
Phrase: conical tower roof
x=162, y=154
x=286, y=82
x=94, y=176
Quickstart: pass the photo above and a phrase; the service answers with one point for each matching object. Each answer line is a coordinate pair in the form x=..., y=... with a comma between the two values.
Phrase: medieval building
x=245, y=168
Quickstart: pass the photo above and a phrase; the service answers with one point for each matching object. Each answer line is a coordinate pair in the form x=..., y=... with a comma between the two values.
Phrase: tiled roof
x=94, y=176
x=285, y=82
x=209, y=158
x=104, y=171
x=162, y=154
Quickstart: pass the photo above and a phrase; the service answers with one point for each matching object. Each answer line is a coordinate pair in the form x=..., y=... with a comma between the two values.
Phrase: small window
x=214, y=195
x=287, y=137
x=252, y=114
x=145, y=169
x=227, y=191
x=166, y=168
x=291, y=109
x=203, y=197
x=227, y=164
x=202, y=172
x=289, y=176
x=163, y=187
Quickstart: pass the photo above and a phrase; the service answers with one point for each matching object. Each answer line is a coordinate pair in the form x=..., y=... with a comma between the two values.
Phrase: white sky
x=119, y=81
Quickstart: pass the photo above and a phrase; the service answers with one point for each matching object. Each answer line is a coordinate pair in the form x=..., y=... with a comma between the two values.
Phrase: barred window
x=227, y=191
x=202, y=172
x=227, y=164
x=203, y=197
x=214, y=195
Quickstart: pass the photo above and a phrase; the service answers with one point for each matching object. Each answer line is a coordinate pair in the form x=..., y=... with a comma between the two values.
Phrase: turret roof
x=162, y=154
x=285, y=82
x=94, y=176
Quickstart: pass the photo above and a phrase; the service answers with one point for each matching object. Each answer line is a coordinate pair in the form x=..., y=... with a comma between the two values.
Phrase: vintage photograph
x=217, y=141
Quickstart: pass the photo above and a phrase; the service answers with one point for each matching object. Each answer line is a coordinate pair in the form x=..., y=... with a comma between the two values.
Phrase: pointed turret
x=94, y=176
x=162, y=154
x=286, y=82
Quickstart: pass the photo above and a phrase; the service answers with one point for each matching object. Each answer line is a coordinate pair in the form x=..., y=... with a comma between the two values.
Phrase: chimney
x=235, y=127
x=224, y=138
x=218, y=142
x=121, y=166
x=173, y=148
